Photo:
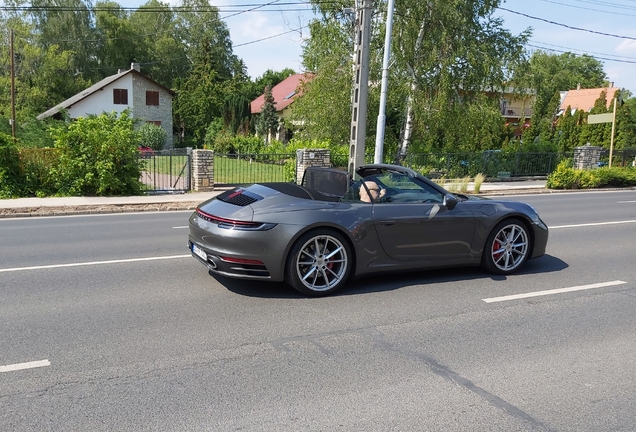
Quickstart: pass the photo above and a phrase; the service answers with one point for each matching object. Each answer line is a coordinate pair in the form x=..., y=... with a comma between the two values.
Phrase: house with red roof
x=584, y=99
x=284, y=94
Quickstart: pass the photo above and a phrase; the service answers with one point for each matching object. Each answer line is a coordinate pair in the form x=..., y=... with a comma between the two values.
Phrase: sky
x=270, y=36
x=601, y=29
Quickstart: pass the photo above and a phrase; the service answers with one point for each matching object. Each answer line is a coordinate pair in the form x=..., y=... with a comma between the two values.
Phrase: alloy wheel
x=509, y=247
x=321, y=263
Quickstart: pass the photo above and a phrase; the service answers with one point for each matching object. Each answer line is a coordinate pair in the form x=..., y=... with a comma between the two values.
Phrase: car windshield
x=390, y=187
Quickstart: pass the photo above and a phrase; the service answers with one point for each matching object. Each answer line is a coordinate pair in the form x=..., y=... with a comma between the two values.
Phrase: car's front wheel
x=507, y=247
x=319, y=263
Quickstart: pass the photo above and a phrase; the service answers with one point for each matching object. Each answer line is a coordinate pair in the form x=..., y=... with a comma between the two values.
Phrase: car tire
x=319, y=263
x=507, y=247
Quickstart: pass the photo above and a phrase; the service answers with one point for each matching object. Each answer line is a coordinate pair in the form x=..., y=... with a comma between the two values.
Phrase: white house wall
x=102, y=100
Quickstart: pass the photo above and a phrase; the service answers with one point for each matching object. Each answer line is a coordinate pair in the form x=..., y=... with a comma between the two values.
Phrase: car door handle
x=387, y=222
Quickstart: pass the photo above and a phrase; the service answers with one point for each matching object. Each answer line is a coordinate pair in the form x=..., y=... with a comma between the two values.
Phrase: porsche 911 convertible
x=317, y=235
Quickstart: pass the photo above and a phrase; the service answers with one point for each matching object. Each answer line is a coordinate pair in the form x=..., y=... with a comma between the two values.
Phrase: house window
x=120, y=96
x=152, y=98
x=154, y=122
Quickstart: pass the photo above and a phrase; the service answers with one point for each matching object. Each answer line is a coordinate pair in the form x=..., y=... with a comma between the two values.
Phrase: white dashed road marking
x=553, y=291
x=592, y=224
x=93, y=263
x=21, y=366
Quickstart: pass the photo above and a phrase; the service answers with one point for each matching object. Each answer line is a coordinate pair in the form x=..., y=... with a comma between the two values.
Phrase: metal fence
x=235, y=169
x=623, y=157
x=165, y=171
x=492, y=163
x=489, y=163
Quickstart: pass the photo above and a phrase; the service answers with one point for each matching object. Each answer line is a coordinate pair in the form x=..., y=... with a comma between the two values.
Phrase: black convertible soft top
x=302, y=192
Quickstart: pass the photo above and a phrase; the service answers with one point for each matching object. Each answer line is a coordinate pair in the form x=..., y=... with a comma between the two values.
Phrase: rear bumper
x=235, y=269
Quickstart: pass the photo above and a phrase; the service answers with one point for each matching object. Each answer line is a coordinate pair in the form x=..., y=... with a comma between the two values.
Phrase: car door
x=413, y=223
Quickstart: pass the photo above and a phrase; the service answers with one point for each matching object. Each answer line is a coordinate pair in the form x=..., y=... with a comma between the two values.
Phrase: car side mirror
x=449, y=201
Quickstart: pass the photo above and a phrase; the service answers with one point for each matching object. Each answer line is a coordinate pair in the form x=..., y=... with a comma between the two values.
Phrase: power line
x=586, y=8
x=597, y=58
x=269, y=37
x=618, y=57
x=567, y=26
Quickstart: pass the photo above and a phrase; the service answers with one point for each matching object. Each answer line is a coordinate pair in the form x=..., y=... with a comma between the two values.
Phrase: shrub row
x=97, y=155
x=566, y=177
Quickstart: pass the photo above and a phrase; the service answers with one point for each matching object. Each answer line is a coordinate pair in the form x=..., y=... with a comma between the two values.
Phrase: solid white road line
x=93, y=263
x=180, y=227
x=21, y=366
x=626, y=202
x=592, y=224
x=554, y=291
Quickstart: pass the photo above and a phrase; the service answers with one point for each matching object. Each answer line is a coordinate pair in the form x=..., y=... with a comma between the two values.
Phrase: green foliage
x=151, y=135
x=267, y=122
x=10, y=177
x=98, y=156
x=566, y=177
x=35, y=133
x=215, y=128
x=237, y=114
x=248, y=144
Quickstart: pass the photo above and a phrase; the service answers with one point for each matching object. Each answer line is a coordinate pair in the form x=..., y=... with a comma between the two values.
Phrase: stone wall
x=310, y=158
x=202, y=170
x=587, y=157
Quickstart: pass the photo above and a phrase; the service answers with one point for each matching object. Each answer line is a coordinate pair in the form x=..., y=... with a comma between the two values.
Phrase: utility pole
x=12, y=55
x=379, y=135
x=360, y=86
x=611, y=155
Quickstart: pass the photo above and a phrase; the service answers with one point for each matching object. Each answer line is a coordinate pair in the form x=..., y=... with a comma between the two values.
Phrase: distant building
x=584, y=99
x=128, y=89
x=284, y=94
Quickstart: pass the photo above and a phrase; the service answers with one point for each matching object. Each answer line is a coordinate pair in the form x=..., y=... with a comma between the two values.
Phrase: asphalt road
x=107, y=324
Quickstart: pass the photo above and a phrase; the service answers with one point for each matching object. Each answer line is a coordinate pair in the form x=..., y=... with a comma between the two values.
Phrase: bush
x=153, y=136
x=98, y=155
x=214, y=129
x=566, y=177
x=10, y=177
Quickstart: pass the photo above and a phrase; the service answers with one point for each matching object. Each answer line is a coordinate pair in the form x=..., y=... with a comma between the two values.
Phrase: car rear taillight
x=234, y=224
x=241, y=261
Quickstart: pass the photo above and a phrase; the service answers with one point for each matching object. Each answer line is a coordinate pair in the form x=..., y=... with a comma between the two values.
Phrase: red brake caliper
x=495, y=246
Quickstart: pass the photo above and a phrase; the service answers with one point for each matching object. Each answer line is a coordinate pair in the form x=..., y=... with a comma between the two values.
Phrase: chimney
x=611, y=84
x=578, y=87
x=135, y=66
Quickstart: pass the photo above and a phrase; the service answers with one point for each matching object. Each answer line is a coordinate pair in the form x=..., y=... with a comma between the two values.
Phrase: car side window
x=354, y=193
x=407, y=190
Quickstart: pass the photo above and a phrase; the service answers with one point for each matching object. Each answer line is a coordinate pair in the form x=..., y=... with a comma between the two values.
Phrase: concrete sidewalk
x=54, y=206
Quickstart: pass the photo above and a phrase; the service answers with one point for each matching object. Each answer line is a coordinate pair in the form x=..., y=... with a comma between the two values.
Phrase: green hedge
x=566, y=177
x=11, y=181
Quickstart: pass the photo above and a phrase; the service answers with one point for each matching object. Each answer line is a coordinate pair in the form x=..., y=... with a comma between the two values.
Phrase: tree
x=548, y=74
x=202, y=93
x=267, y=123
x=236, y=114
x=119, y=42
x=445, y=54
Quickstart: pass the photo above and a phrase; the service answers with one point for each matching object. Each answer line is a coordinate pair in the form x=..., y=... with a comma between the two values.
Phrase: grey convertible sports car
x=316, y=235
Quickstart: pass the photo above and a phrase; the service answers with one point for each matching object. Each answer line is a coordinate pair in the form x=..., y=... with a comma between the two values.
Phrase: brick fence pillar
x=587, y=157
x=202, y=170
x=310, y=158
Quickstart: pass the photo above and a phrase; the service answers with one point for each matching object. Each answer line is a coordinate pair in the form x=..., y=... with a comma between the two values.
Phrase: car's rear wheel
x=507, y=247
x=319, y=263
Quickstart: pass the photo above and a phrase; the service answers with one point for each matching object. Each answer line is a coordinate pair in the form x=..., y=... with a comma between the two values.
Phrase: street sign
x=599, y=118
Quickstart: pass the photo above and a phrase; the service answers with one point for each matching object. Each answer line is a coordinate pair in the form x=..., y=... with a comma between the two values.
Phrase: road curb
x=94, y=209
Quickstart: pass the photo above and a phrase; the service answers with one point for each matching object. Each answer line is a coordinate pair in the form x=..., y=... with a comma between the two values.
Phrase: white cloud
x=626, y=47
x=252, y=26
